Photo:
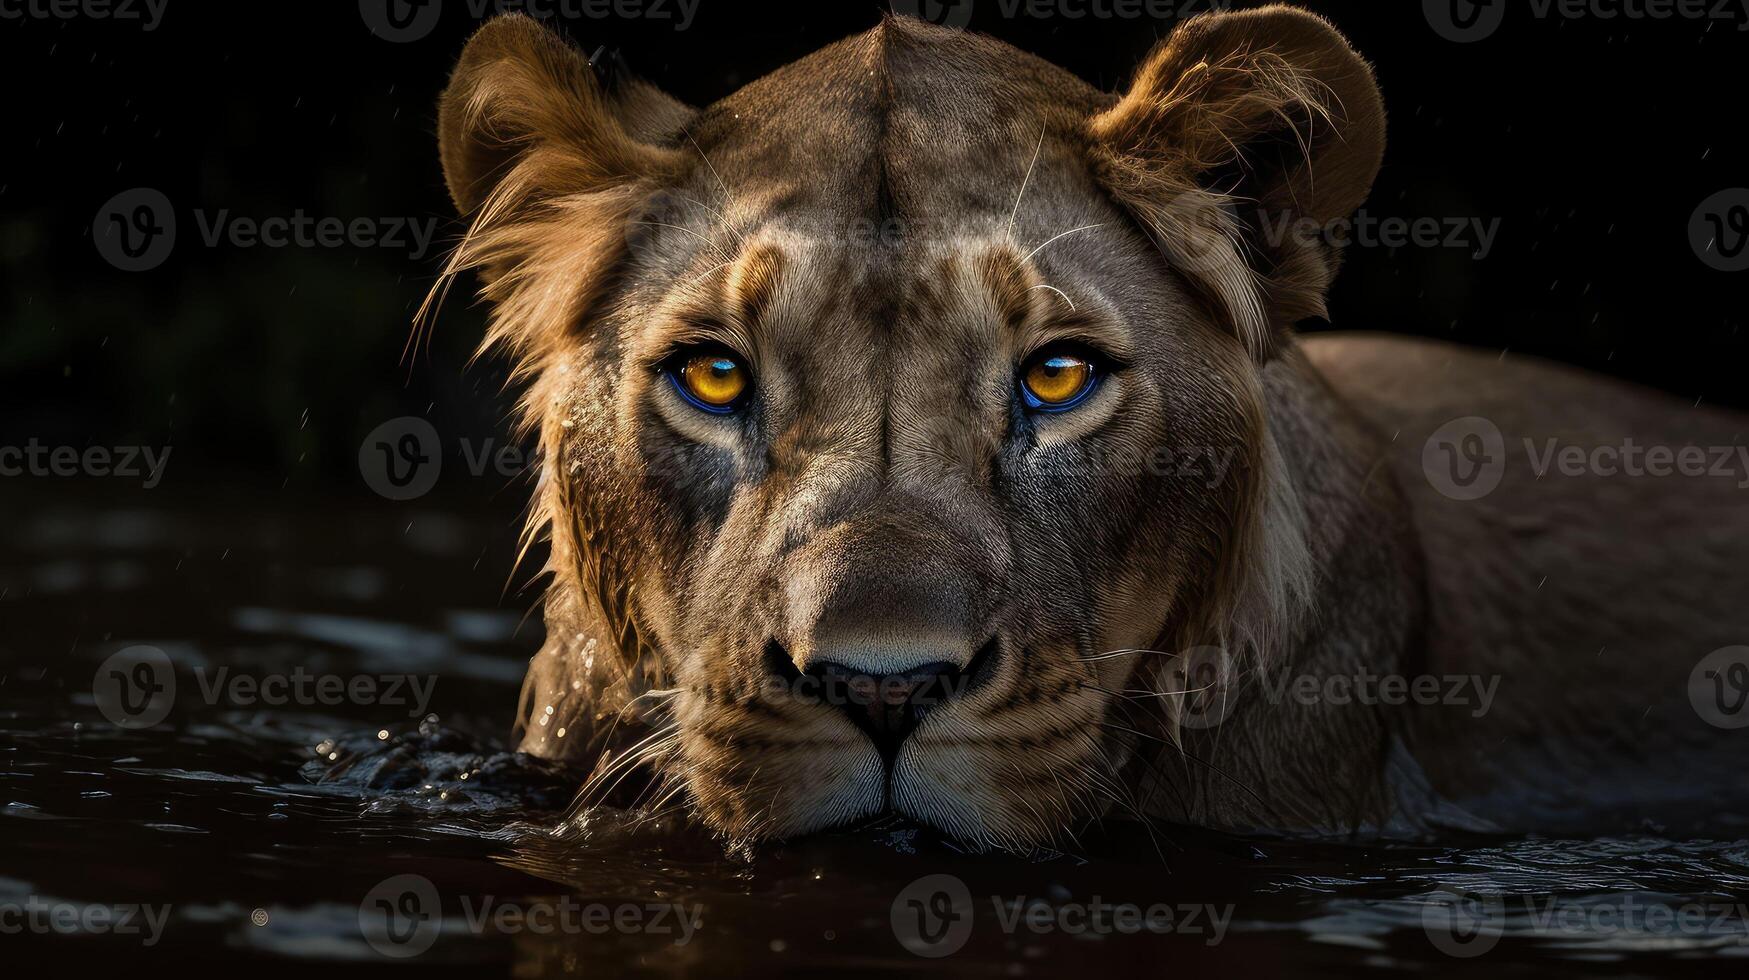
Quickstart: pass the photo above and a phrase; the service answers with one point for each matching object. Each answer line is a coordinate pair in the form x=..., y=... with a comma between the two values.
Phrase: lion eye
x=715, y=381
x=1056, y=382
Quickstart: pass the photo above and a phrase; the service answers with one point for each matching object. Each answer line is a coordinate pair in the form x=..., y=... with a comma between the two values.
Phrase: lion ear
x=1239, y=129
x=549, y=157
x=525, y=103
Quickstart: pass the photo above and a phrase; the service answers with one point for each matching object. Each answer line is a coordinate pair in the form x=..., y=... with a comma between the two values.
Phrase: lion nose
x=887, y=706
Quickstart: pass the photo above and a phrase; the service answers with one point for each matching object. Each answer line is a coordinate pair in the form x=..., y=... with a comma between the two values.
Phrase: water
x=251, y=833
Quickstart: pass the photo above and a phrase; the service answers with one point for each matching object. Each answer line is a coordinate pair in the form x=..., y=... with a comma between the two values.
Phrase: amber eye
x=1057, y=381
x=715, y=381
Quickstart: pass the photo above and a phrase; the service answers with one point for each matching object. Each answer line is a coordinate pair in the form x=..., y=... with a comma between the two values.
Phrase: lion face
x=883, y=437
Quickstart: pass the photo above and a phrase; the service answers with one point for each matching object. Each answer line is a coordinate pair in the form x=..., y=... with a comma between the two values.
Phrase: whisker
x=1024, y=181
x=707, y=273
x=657, y=742
x=1124, y=652
x=1053, y=238
x=1199, y=761
x=1136, y=695
x=719, y=215
x=689, y=231
x=1059, y=292
x=708, y=163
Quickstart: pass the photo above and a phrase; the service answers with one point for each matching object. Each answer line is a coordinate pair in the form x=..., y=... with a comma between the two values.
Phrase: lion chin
x=956, y=757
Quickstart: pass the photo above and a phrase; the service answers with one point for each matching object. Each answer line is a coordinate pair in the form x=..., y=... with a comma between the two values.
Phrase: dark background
x=1591, y=140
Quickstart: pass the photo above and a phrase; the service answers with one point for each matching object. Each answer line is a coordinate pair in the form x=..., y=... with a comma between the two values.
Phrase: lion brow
x=754, y=280
x=1034, y=316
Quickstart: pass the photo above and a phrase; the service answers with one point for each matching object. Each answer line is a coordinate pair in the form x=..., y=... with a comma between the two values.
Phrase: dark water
x=281, y=837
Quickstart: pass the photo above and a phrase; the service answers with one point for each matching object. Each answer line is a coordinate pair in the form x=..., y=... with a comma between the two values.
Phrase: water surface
x=351, y=834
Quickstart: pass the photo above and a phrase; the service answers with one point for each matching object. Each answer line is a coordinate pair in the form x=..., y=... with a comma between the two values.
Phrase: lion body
x=1591, y=592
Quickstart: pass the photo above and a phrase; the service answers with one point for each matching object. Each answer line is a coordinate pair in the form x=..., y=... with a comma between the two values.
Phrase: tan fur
x=884, y=231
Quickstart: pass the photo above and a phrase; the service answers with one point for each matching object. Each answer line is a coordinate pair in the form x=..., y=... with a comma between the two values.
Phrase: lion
x=925, y=435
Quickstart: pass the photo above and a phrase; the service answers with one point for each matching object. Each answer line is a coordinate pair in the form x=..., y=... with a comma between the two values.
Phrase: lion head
x=894, y=407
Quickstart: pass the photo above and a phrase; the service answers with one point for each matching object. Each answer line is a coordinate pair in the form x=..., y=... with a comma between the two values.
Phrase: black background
x=1591, y=140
